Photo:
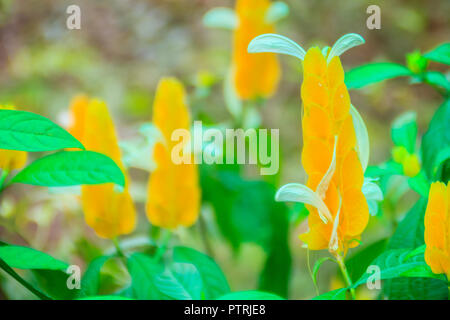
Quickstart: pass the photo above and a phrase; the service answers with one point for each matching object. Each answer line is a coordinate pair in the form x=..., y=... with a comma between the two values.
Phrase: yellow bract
x=11, y=159
x=173, y=190
x=108, y=211
x=327, y=119
x=437, y=229
x=410, y=162
x=255, y=75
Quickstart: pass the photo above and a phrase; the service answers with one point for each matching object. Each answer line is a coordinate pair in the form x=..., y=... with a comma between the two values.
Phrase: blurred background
x=121, y=51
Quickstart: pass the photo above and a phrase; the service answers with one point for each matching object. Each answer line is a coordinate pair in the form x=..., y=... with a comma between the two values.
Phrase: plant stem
x=341, y=263
x=118, y=249
x=163, y=246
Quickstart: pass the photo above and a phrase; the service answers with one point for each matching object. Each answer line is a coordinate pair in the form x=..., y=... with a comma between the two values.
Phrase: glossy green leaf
x=90, y=282
x=69, y=168
x=214, y=282
x=375, y=72
x=28, y=258
x=181, y=281
x=250, y=295
x=224, y=18
x=143, y=271
x=27, y=131
x=404, y=131
x=440, y=54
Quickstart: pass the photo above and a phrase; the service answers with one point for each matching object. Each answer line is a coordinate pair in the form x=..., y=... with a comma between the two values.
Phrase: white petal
x=276, y=43
x=372, y=191
x=224, y=18
x=277, y=11
x=325, y=51
x=362, y=137
x=334, y=243
x=324, y=183
x=344, y=43
x=297, y=192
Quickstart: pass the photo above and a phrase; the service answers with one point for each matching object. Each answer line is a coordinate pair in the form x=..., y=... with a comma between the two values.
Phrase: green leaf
x=27, y=258
x=143, y=271
x=276, y=43
x=398, y=263
x=277, y=11
x=90, y=282
x=437, y=79
x=358, y=263
x=440, y=54
x=105, y=298
x=181, y=281
x=436, y=141
x=338, y=294
x=27, y=131
x=69, y=168
x=214, y=282
x=420, y=184
x=54, y=283
x=404, y=131
x=375, y=72
x=223, y=18
x=250, y=295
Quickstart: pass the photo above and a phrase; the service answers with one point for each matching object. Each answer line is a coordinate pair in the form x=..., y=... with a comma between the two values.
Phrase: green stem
x=118, y=249
x=163, y=246
x=341, y=263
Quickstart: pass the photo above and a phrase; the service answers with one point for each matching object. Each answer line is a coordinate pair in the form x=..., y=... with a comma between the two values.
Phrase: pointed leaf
x=374, y=72
x=440, y=54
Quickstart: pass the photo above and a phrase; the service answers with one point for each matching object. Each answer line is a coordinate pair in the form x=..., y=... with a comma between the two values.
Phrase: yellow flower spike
x=108, y=211
x=437, y=229
x=173, y=189
x=255, y=76
x=12, y=159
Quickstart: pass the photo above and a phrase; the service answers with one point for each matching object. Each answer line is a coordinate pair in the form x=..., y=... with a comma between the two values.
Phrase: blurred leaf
x=69, y=168
x=276, y=43
x=28, y=258
x=436, y=141
x=438, y=79
x=105, y=298
x=277, y=11
x=143, y=271
x=420, y=184
x=90, y=283
x=338, y=294
x=440, y=54
x=232, y=101
x=375, y=72
x=54, y=283
x=224, y=18
x=27, y=131
x=214, y=282
x=317, y=266
x=358, y=263
x=250, y=295
x=181, y=281
x=404, y=131
x=416, y=62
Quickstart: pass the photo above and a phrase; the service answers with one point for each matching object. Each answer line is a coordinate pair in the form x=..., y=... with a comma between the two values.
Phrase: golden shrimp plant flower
x=11, y=159
x=254, y=76
x=109, y=211
x=173, y=188
x=437, y=229
x=335, y=148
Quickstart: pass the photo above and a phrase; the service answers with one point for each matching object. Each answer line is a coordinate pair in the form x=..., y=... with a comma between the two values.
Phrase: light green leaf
x=437, y=79
x=69, y=168
x=440, y=54
x=27, y=131
x=338, y=294
x=143, y=271
x=375, y=72
x=214, y=282
x=404, y=131
x=277, y=11
x=105, y=298
x=181, y=281
x=345, y=43
x=250, y=295
x=224, y=18
x=27, y=258
x=276, y=43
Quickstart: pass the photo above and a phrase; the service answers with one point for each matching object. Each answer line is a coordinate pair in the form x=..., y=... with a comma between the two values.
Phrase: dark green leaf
x=69, y=168
x=214, y=282
x=105, y=298
x=358, y=263
x=440, y=54
x=28, y=258
x=27, y=131
x=375, y=72
x=90, y=282
x=250, y=295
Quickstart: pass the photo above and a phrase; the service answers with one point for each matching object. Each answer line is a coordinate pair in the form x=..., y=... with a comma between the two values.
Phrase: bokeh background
x=124, y=47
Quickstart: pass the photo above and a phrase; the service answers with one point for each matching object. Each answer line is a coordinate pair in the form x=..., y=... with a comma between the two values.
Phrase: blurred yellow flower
x=173, y=190
x=410, y=162
x=11, y=159
x=255, y=76
x=108, y=211
x=437, y=229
